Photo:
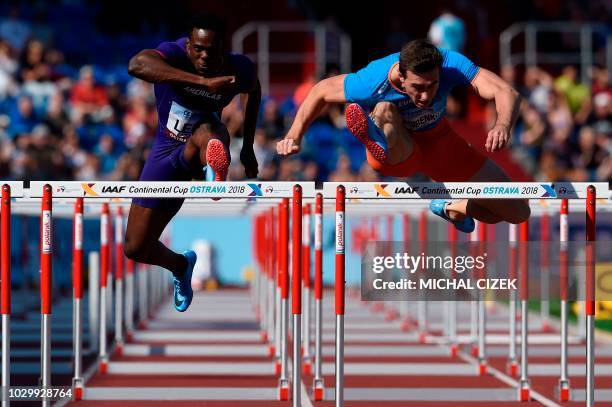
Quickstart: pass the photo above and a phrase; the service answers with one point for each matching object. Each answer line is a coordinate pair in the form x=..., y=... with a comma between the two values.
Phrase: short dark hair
x=207, y=21
x=419, y=56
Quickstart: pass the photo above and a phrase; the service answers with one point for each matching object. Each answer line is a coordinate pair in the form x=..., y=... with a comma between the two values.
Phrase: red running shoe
x=218, y=161
x=362, y=127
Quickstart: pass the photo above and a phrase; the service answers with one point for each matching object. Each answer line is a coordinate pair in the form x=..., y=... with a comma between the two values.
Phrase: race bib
x=182, y=121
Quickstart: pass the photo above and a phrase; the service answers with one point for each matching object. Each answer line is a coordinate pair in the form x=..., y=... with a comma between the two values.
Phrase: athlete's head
x=205, y=43
x=419, y=69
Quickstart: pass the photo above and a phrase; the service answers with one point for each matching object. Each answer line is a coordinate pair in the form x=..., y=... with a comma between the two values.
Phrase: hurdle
x=482, y=315
x=283, y=277
x=360, y=192
x=564, y=385
x=307, y=358
x=318, y=383
x=10, y=190
x=512, y=364
x=77, y=281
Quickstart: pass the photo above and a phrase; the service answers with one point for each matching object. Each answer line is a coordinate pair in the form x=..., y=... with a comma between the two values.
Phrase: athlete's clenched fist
x=288, y=146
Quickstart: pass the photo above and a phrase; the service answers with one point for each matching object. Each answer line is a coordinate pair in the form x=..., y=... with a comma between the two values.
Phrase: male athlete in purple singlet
x=194, y=79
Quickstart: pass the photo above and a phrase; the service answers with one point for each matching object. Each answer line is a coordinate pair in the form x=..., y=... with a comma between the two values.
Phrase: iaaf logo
x=109, y=189
x=269, y=189
x=407, y=190
x=354, y=190
x=60, y=188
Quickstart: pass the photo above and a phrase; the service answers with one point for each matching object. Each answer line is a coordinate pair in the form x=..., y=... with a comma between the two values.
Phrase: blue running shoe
x=183, y=294
x=209, y=174
x=437, y=206
x=361, y=126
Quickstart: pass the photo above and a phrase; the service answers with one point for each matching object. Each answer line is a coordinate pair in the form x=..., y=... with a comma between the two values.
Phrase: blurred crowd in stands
x=61, y=119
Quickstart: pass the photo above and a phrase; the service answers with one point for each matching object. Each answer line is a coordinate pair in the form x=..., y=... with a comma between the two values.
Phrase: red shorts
x=439, y=153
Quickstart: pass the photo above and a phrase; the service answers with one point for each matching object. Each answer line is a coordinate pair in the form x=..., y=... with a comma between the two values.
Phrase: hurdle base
x=407, y=325
x=475, y=351
x=103, y=366
x=391, y=315
x=524, y=391
x=77, y=385
x=546, y=327
x=422, y=337
x=142, y=324
x=283, y=390
x=119, y=349
x=318, y=390
x=264, y=336
x=129, y=336
x=271, y=351
x=454, y=350
x=482, y=368
x=563, y=391
x=307, y=366
x=377, y=307
x=277, y=367
x=512, y=368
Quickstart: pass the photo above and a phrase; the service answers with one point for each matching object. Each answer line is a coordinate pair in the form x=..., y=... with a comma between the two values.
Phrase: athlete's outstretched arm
x=149, y=65
x=250, y=105
x=507, y=102
x=330, y=90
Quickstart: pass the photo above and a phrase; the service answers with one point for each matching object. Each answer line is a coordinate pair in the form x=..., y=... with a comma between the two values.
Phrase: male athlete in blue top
x=195, y=78
x=406, y=131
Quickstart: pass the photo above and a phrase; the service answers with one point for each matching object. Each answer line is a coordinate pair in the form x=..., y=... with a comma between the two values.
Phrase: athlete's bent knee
x=520, y=212
x=385, y=111
x=136, y=250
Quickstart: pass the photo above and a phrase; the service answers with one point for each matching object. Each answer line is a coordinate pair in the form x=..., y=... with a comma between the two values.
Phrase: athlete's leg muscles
x=195, y=148
x=490, y=210
x=388, y=118
x=144, y=227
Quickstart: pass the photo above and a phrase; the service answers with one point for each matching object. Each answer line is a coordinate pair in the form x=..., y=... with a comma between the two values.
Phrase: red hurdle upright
x=283, y=274
x=564, y=386
x=318, y=385
x=46, y=256
x=474, y=302
x=277, y=291
x=482, y=314
x=269, y=260
x=77, y=282
x=104, y=269
x=296, y=291
x=512, y=274
x=306, y=210
x=340, y=294
x=452, y=331
x=589, y=300
x=271, y=269
x=5, y=288
x=524, y=386
x=545, y=269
